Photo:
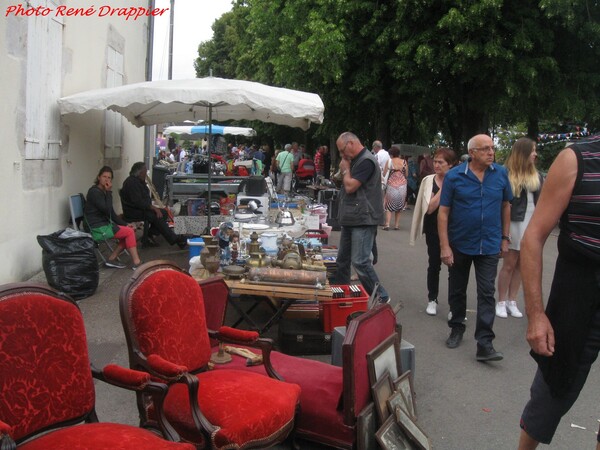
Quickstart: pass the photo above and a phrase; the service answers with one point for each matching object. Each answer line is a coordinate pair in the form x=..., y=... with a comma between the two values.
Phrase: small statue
x=234, y=246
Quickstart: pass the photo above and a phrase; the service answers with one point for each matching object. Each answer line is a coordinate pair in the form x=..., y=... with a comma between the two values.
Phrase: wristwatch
x=506, y=238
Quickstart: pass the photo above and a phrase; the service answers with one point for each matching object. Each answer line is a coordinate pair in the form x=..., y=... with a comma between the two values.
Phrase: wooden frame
x=367, y=329
x=391, y=437
x=382, y=390
x=412, y=430
x=366, y=427
x=385, y=357
x=403, y=385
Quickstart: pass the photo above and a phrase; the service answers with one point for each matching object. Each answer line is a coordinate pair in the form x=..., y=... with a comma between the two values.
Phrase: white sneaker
x=450, y=317
x=431, y=308
x=511, y=306
x=501, y=310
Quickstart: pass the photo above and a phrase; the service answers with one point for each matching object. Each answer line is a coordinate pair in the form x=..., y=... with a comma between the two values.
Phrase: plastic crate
x=334, y=312
x=303, y=337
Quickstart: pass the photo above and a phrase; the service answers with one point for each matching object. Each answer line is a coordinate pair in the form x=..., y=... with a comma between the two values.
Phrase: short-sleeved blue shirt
x=475, y=221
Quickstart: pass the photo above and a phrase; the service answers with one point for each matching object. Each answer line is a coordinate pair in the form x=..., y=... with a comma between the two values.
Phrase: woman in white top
x=526, y=183
x=425, y=220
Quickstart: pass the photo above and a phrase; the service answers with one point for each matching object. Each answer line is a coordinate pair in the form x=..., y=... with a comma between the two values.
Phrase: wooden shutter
x=113, y=130
x=43, y=84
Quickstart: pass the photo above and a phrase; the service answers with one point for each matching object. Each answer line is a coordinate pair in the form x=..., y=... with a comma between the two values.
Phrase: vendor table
x=277, y=297
x=196, y=225
x=182, y=186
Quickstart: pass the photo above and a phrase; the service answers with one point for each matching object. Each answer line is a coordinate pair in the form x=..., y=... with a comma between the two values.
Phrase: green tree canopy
x=404, y=71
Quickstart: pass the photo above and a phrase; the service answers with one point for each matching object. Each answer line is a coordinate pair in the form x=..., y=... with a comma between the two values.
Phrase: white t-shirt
x=382, y=157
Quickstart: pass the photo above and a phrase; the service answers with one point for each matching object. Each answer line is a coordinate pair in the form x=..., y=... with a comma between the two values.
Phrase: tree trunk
x=382, y=126
x=533, y=126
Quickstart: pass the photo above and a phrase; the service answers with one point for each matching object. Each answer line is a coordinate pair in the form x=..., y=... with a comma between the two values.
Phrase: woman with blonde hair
x=526, y=183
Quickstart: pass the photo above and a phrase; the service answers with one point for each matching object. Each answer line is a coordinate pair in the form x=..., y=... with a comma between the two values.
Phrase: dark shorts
x=543, y=412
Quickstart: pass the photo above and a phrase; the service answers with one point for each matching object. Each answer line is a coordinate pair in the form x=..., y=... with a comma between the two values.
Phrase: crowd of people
x=474, y=213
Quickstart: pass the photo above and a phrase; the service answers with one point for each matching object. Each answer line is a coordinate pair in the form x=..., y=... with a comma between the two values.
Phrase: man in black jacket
x=360, y=212
x=137, y=205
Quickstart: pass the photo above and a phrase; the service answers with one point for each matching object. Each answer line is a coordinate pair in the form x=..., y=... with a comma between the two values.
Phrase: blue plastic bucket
x=196, y=245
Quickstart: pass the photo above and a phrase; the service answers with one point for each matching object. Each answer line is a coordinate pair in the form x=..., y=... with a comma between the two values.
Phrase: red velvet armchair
x=331, y=396
x=46, y=381
x=163, y=315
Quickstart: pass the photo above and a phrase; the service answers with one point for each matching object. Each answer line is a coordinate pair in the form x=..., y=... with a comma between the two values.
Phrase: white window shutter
x=113, y=129
x=43, y=84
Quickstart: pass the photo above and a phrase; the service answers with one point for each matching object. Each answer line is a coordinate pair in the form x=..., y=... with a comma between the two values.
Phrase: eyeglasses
x=486, y=149
x=344, y=149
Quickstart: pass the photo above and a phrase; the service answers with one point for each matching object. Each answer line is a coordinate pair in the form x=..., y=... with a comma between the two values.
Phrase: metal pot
x=284, y=217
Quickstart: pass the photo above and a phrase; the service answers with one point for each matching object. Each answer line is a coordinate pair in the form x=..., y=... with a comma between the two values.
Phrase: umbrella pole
x=209, y=169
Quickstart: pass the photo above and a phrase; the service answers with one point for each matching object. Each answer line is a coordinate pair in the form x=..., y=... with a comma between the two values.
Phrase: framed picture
x=411, y=429
x=396, y=401
x=385, y=357
x=382, y=390
x=366, y=427
x=391, y=437
x=404, y=386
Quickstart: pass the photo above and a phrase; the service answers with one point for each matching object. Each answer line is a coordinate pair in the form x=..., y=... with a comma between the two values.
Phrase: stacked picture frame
x=390, y=421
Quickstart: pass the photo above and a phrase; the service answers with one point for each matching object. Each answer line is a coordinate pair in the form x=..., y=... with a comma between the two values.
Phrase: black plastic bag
x=70, y=263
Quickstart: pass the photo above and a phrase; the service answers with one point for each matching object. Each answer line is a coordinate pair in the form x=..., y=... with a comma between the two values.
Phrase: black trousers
x=159, y=225
x=435, y=265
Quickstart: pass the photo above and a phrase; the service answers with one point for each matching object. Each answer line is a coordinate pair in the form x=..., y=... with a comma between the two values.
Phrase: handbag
x=102, y=233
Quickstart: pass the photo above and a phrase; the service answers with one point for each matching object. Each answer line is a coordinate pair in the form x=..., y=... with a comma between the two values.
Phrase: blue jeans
x=458, y=278
x=356, y=244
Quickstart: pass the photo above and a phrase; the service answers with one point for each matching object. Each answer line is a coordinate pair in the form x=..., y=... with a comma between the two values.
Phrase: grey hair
x=471, y=143
x=287, y=147
x=347, y=136
x=137, y=168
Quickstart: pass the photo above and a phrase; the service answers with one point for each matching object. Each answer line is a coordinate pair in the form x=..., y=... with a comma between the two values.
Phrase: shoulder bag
x=102, y=233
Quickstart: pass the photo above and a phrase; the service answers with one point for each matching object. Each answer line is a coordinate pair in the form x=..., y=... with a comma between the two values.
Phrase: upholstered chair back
x=45, y=373
x=364, y=333
x=166, y=310
x=215, y=293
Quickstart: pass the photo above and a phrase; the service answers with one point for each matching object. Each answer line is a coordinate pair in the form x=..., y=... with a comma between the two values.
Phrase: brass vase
x=210, y=258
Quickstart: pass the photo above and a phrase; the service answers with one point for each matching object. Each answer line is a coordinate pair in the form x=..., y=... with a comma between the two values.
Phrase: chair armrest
x=175, y=373
x=126, y=378
x=249, y=339
x=165, y=369
x=237, y=336
x=6, y=442
x=135, y=380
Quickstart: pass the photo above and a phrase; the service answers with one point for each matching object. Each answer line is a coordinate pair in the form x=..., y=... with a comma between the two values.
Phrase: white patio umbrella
x=199, y=131
x=156, y=102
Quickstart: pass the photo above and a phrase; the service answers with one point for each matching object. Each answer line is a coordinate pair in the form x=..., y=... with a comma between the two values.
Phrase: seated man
x=137, y=205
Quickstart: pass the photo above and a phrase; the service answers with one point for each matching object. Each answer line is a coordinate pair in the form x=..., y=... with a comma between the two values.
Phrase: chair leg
x=99, y=252
x=110, y=247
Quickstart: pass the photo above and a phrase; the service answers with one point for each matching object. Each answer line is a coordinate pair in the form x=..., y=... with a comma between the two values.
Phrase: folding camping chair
x=76, y=205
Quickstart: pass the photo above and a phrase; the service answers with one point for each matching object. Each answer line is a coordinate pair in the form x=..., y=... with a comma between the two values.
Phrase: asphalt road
x=461, y=403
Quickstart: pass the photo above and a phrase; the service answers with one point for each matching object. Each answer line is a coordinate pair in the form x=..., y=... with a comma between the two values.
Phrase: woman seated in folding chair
x=104, y=222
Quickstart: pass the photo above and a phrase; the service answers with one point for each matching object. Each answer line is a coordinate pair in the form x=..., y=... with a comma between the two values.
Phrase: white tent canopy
x=199, y=131
x=219, y=99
